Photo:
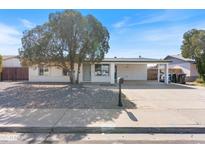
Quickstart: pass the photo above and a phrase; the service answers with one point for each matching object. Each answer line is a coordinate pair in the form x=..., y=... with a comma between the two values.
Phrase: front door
x=86, y=72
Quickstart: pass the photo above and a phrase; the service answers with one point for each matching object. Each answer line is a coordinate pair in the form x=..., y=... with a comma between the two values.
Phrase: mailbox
x=120, y=81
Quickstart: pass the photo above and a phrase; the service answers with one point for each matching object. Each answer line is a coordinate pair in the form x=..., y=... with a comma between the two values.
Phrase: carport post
x=112, y=73
x=166, y=73
x=158, y=72
x=120, y=96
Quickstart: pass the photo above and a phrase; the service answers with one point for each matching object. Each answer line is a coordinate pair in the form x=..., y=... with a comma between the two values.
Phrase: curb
x=109, y=130
x=26, y=129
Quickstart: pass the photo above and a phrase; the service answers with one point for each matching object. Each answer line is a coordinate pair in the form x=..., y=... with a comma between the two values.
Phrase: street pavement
x=45, y=138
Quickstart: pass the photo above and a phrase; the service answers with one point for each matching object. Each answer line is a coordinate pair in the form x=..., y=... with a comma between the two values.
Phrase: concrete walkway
x=102, y=120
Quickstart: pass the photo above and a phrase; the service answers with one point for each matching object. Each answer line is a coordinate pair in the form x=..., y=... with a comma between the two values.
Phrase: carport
x=135, y=69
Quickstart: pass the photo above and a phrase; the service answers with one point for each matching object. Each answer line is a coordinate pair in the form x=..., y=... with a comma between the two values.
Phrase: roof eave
x=159, y=61
x=191, y=61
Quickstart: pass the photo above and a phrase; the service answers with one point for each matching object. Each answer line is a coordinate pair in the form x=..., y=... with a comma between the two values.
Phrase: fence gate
x=14, y=74
x=152, y=74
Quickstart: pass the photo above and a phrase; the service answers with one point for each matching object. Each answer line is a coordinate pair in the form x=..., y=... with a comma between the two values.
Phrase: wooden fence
x=152, y=74
x=14, y=74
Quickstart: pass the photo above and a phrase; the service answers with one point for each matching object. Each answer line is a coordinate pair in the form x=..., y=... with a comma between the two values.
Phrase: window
x=102, y=69
x=65, y=72
x=43, y=71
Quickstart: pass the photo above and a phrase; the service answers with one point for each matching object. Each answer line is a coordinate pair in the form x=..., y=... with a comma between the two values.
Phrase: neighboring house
x=108, y=70
x=11, y=61
x=13, y=70
x=188, y=66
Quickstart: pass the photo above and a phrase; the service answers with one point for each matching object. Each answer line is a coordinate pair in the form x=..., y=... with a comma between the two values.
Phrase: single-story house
x=12, y=69
x=188, y=66
x=11, y=61
x=108, y=70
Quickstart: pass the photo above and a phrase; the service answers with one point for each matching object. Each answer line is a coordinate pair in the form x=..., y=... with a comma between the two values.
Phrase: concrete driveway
x=153, y=95
x=159, y=104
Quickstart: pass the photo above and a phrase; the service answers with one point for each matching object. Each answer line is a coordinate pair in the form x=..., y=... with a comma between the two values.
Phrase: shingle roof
x=133, y=60
x=179, y=56
x=111, y=59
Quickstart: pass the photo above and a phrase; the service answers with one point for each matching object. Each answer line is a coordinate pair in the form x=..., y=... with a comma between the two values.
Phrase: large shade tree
x=194, y=47
x=67, y=38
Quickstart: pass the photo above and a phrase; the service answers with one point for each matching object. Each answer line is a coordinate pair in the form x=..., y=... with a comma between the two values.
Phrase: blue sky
x=149, y=33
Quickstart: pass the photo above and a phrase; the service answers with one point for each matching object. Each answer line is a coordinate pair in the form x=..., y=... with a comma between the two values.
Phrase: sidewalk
x=102, y=120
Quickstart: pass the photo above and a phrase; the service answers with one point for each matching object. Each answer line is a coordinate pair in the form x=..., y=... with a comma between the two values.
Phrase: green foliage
x=194, y=47
x=67, y=38
x=40, y=47
x=200, y=62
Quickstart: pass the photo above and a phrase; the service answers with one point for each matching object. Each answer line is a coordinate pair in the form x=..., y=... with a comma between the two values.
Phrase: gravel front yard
x=24, y=95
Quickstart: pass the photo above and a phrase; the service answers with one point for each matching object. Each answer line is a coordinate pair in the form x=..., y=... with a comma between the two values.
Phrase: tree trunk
x=78, y=73
x=72, y=73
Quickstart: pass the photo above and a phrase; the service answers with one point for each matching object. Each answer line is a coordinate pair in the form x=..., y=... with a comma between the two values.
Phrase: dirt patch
x=24, y=95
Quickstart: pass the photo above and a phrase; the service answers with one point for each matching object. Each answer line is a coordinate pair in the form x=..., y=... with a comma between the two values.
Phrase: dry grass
x=198, y=82
x=30, y=95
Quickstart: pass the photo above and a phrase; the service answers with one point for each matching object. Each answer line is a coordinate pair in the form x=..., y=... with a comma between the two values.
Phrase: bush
x=200, y=80
x=200, y=63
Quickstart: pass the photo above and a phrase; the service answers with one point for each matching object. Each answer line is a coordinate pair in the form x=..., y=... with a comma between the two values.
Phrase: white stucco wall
x=11, y=62
x=184, y=66
x=132, y=71
x=177, y=63
x=55, y=75
x=127, y=71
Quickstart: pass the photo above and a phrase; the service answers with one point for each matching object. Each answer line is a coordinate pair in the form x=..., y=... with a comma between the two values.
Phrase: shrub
x=199, y=80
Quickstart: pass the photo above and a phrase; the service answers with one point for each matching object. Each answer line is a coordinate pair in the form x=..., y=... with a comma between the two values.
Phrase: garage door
x=132, y=71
